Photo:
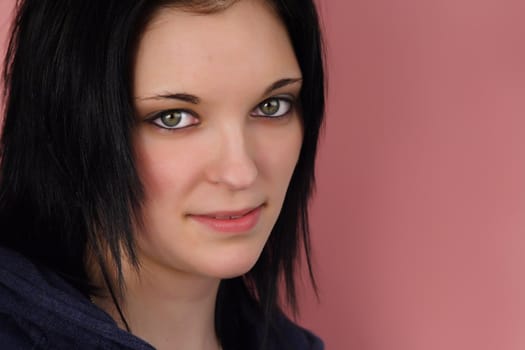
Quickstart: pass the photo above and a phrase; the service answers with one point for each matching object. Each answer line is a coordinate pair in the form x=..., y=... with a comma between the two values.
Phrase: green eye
x=174, y=119
x=273, y=107
x=270, y=107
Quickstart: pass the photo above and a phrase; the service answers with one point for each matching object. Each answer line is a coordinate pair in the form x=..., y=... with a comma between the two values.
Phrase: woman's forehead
x=199, y=6
x=243, y=45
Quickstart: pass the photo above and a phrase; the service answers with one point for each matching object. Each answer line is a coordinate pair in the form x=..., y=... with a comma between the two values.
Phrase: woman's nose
x=233, y=165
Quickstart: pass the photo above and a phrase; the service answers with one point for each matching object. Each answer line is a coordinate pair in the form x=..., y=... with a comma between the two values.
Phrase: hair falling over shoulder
x=68, y=181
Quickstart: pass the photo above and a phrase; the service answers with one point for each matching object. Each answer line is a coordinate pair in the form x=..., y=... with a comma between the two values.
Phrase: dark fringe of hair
x=68, y=182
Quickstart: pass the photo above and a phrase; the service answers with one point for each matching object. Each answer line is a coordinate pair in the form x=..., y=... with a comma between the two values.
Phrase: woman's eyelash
x=173, y=119
x=274, y=107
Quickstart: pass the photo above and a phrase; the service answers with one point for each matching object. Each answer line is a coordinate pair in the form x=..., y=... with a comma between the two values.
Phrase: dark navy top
x=39, y=310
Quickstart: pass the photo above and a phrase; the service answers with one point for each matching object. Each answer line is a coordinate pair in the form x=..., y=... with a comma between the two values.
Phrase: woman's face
x=218, y=136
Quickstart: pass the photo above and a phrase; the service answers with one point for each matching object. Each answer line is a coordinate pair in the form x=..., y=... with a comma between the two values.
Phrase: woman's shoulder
x=18, y=280
x=26, y=283
x=28, y=304
x=250, y=327
x=40, y=310
x=292, y=336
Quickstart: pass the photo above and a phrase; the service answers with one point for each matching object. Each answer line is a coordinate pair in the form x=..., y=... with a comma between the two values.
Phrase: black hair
x=68, y=182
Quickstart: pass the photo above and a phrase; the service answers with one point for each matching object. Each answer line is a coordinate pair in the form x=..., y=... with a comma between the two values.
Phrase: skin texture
x=227, y=157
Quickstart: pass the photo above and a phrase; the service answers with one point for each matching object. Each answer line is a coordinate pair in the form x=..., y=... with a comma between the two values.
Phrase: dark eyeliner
x=291, y=99
x=150, y=118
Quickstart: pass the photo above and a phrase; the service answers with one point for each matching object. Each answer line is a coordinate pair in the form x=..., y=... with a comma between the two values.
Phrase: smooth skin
x=218, y=130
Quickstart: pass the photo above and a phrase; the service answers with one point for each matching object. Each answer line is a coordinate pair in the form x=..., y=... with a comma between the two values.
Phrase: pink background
x=419, y=220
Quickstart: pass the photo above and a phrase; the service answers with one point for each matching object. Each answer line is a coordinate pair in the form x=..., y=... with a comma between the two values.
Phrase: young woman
x=157, y=161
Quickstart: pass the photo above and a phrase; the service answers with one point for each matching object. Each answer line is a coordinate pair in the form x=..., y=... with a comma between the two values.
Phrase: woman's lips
x=240, y=221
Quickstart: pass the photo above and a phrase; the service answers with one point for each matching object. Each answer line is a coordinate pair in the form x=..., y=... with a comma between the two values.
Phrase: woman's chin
x=231, y=267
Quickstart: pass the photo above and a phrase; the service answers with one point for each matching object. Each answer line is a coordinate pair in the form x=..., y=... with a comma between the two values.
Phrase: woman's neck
x=169, y=309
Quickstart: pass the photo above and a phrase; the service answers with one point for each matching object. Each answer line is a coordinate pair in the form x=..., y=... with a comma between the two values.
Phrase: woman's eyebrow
x=195, y=100
x=173, y=96
x=281, y=83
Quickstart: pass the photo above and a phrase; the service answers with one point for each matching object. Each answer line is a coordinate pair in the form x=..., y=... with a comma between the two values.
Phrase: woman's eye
x=174, y=119
x=273, y=107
